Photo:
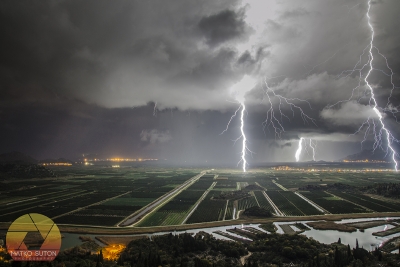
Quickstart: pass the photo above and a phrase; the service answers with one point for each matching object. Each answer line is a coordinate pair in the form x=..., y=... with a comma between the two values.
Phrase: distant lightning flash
x=313, y=147
x=155, y=110
x=311, y=144
x=299, y=149
x=371, y=124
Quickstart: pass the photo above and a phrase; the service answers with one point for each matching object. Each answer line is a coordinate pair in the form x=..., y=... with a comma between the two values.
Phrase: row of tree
x=203, y=250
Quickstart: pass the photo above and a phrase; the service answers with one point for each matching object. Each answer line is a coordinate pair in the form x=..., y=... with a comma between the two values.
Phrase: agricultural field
x=230, y=210
x=176, y=210
x=225, y=185
x=262, y=201
x=368, y=202
x=280, y=200
x=105, y=196
x=90, y=196
x=333, y=204
x=301, y=204
x=208, y=210
x=246, y=203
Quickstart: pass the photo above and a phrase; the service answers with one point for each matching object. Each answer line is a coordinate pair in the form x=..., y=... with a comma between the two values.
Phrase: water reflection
x=365, y=238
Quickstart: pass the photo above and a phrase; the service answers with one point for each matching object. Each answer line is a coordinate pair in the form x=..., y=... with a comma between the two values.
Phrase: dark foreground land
x=203, y=249
x=100, y=199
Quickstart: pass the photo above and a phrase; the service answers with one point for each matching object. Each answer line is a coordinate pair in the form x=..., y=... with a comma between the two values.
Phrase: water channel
x=365, y=238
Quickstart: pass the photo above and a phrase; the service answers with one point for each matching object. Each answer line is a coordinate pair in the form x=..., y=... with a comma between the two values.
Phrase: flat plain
x=106, y=197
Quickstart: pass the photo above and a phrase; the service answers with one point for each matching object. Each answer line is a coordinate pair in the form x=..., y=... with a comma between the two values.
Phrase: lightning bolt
x=311, y=144
x=244, y=139
x=299, y=149
x=389, y=136
x=313, y=148
x=229, y=122
x=245, y=149
x=275, y=115
x=375, y=125
x=240, y=89
x=155, y=110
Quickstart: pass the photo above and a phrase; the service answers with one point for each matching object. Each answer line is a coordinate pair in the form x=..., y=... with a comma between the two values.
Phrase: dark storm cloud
x=277, y=145
x=224, y=26
x=155, y=136
x=115, y=54
x=71, y=71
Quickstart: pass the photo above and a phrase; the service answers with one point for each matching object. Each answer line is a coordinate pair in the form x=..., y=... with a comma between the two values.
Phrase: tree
x=339, y=241
x=337, y=257
x=349, y=257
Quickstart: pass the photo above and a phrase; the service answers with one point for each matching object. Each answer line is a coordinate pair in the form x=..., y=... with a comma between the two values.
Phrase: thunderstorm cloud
x=118, y=77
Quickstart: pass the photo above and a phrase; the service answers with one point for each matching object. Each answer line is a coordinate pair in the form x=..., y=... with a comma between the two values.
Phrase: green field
x=335, y=206
x=131, y=201
x=106, y=196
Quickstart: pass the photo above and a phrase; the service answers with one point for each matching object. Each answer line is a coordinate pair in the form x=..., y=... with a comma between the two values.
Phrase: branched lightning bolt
x=229, y=122
x=389, y=136
x=275, y=115
x=313, y=148
x=377, y=126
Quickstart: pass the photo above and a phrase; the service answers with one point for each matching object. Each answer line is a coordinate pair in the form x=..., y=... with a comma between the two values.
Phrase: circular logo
x=33, y=237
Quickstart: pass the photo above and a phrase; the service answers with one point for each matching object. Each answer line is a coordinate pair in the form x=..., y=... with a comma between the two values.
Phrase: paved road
x=149, y=208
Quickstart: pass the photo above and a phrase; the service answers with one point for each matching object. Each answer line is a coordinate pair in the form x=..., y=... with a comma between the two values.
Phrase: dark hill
x=369, y=155
x=56, y=160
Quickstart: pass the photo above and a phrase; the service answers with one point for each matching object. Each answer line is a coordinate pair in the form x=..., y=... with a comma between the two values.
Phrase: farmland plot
x=246, y=203
x=283, y=203
x=300, y=203
x=208, y=210
x=229, y=211
x=368, y=202
x=263, y=201
x=331, y=204
x=176, y=210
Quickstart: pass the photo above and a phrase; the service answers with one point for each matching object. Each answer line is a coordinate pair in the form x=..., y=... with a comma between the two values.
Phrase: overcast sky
x=157, y=78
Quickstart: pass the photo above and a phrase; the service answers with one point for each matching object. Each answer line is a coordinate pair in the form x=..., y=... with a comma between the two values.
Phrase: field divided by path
x=262, y=201
x=291, y=204
x=368, y=202
x=176, y=210
x=209, y=210
x=332, y=204
x=283, y=204
x=88, y=196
